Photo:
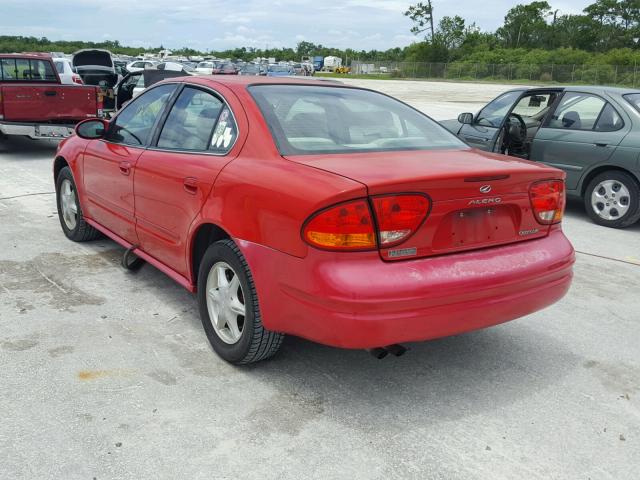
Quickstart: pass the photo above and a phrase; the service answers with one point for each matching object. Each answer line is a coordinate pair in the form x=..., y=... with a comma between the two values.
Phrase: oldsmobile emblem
x=485, y=189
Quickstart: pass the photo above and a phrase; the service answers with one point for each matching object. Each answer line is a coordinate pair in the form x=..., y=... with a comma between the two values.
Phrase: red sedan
x=310, y=208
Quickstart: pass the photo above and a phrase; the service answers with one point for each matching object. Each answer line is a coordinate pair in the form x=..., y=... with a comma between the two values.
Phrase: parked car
x=66, y=72
x=329, y=212
x=226, y=68
x=138, y=65
x=34, y=102
x=252, y=69
x=96, y=67
x=277, y=70
x=592, y=133
x=207, y=67
x=135, y=83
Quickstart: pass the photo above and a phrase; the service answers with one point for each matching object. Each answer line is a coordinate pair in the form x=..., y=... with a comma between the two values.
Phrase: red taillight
x=350, y=226
x=347, y=226
x=548, y=201
x=399, y=216
x=76, y=79
x=1, y=106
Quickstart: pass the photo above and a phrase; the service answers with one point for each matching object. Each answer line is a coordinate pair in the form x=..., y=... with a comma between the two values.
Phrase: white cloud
x=220, y=24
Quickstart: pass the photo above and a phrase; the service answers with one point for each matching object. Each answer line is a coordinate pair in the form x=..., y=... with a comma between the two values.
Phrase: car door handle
x=191, y=185
x=125, y=168
x=599, y=144
x=50, y=93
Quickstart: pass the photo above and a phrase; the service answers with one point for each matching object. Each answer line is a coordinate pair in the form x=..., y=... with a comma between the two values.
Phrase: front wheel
x=612, y=199
x=229, y=307
x=70, y=214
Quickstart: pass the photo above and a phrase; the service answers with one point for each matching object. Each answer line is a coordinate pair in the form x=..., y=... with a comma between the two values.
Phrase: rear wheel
x=229, y=307
x=72, y=221
x=612, y=199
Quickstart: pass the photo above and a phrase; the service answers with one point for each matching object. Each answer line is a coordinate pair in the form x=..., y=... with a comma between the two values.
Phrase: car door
x=583, y=131
x=109, y=163
x=176, y=174
x=484, y=130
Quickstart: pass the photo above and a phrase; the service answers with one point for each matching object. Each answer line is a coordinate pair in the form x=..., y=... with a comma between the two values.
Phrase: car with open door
x=592, y=133
x=315, y=209
x=96, y=67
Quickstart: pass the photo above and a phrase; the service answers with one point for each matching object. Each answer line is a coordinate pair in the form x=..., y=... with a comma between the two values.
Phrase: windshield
x=493, y=114
x=250, y=68
x=317, y=119
x=633, y=99
x=205, y=65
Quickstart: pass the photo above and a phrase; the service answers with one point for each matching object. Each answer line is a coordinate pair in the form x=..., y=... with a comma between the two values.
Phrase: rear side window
x=633, y=99
x=25, y=69
x=583, y=111
x=59, y=67
x=191, y=122
x=317, y=119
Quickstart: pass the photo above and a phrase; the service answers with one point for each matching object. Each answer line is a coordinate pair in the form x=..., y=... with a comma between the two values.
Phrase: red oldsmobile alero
x=311, y=208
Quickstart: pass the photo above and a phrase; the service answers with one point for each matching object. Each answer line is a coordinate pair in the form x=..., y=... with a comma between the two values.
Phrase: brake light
x=399, y=216
x=548, y=201
x=76, y=79
x=347, y=226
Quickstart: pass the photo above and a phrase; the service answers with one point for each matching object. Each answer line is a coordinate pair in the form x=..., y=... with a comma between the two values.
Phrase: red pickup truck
x=33, y=101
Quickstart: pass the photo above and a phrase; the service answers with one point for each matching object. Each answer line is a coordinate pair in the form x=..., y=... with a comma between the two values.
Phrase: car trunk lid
x=478, y=199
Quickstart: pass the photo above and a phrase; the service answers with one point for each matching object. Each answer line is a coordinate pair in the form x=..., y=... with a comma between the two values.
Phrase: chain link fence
x=622, y=75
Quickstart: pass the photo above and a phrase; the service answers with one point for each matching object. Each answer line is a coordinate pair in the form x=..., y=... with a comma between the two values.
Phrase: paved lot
x=107, y=374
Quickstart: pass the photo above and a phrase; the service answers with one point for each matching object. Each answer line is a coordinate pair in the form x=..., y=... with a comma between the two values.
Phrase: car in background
x=35, y=103
x=329, y=212
x=138, y=65
x=173, y=66
x=298, y=69
x=252, y=69
x=226, y=68
x=591, y=133
x=277, y=70
x=96, y=67
x=66, y=72
x=135, y=83
x=207, y=67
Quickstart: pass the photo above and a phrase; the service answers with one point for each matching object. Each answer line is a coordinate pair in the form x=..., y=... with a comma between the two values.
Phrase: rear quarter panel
x=262, y=197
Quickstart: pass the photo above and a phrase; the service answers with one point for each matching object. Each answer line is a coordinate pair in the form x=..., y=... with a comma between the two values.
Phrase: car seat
x=572, y=120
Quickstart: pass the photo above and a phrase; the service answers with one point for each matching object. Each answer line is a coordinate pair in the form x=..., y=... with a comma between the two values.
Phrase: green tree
x=526, y=25
x=422, y=16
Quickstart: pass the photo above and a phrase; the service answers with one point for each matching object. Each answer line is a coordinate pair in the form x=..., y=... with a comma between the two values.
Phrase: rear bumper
x=355, y=300
x=36, y=131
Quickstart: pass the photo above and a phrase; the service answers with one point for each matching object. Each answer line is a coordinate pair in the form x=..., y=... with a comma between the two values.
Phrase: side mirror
x=92, y=128
x=465, y=118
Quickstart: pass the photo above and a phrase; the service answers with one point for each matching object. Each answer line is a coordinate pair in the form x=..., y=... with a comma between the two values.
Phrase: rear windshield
x=316, y=119
x=21, y=69
x=634, y=99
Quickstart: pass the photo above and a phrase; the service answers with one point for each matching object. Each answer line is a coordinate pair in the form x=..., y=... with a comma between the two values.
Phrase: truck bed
x=48, y=103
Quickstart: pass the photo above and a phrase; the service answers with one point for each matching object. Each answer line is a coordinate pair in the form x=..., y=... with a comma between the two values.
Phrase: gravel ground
x=107, y=374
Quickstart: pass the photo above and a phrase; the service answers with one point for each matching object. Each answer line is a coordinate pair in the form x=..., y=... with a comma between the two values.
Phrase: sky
x=218, y=25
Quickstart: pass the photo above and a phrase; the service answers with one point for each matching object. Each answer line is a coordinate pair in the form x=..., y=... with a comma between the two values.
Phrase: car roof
x=595, y=89
x=240, y=82
x=37, y=55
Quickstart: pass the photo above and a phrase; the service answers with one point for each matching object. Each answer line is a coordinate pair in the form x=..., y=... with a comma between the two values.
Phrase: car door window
x=577, y=111
x=493, y=114
x=133, y=126
x=191, y=122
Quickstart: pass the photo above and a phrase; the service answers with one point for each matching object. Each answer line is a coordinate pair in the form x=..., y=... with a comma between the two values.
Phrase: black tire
x=256, y=343
x=82, y=231
x=619, y=178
